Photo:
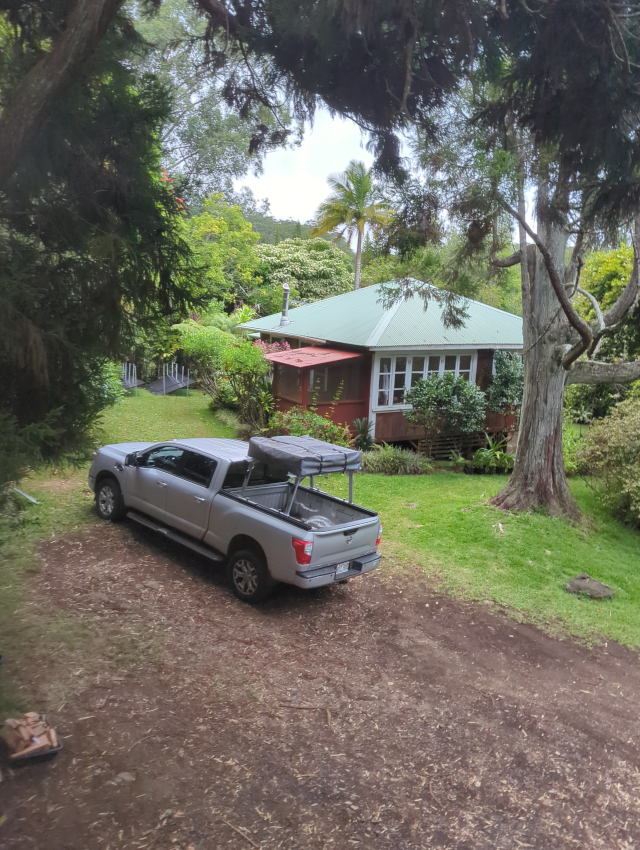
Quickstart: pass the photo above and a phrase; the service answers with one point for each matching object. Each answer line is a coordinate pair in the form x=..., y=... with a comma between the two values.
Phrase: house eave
x=511, y=346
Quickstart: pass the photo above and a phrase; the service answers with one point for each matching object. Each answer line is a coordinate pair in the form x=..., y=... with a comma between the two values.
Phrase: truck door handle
x=161, y=483
x=199, y=498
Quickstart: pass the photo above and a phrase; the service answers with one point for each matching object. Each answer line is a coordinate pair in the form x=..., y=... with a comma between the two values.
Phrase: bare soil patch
x=376, y=714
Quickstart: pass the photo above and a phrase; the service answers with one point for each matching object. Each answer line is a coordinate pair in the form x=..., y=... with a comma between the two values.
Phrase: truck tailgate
x=344, y=542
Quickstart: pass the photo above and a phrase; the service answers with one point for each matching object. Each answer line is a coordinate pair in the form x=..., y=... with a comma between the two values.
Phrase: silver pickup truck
x=244, y=504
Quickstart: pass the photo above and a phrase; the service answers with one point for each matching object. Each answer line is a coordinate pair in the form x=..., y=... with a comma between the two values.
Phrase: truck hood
x=123, y=449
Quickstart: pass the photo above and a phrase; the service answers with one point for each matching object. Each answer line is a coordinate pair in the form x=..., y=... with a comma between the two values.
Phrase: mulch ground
x=375, y=714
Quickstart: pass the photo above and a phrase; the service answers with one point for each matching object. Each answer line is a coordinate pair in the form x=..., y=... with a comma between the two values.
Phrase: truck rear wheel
x=249, y=576
x=109, y=501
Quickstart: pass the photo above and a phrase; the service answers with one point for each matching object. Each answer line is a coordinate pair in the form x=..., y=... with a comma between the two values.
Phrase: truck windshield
x=261, y=473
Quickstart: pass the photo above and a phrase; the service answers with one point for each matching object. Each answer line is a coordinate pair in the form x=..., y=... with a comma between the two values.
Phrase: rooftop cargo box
x=302, y=456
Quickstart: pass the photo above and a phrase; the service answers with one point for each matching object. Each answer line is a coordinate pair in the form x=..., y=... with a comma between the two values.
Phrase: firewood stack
x=29, y=737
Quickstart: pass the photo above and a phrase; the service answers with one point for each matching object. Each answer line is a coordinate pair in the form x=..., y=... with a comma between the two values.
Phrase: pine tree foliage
x=90, y=235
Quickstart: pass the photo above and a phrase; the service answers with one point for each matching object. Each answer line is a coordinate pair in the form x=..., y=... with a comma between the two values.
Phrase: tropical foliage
x=612, y=455
x=363, y=440
x=444, y=402
x=392, y=460
x=314, y=269
x=495, y=456
x=205, y=349
x=356, y=202
x=297, y=421
x=507, y=383
x=223, y=244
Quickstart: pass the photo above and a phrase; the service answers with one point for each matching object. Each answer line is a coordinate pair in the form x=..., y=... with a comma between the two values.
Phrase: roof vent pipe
x=284, y=320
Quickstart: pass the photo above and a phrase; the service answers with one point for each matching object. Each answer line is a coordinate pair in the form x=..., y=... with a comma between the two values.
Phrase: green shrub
x=363, y=440
x=584, y=403
x=299, y=422
x=494, y=457
x=445, y=403
x=247, y=371
x=612, y=455
x=390, y=460
x=507, y=383
x=205, y=348
x=573, y=445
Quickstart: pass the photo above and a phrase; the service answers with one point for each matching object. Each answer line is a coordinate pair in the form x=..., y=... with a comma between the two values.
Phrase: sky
x=295, y=180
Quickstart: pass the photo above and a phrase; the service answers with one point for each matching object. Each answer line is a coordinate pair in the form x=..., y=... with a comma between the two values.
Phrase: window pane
x=401, y=364
x=417, y=364
x=434, y=364
x=325, y=382
x=287, y=383
x=398, y=395
x=318, y=384
x=198, y=468
x=450, y=363
x=385, y=365
x=465, y=362
x=398, y=381
x=384, y=384
x=415, y=377
x=260, y=474
x=165, y=458
x=465, y=375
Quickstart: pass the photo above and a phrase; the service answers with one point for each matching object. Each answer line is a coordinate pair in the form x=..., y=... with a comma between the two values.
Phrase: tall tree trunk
x=41, y=88
x=358, y=260
x=538, y=479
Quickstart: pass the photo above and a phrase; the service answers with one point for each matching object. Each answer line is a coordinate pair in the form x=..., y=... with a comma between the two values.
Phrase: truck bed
x=313, y=507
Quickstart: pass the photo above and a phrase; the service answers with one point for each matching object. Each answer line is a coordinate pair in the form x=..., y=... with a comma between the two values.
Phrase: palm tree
x=356, y=201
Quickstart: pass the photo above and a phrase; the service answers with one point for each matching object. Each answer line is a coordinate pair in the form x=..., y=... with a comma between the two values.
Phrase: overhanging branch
x=506, y=262
x=574, y=319
x=39, y=91
x=594, y=372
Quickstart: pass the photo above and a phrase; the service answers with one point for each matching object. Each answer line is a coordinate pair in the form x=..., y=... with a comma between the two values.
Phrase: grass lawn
x=520, y=561
x=155, y=418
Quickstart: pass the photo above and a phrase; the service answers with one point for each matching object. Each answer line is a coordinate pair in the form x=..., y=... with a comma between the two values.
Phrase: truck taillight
x=303, y=550
x=379, y=536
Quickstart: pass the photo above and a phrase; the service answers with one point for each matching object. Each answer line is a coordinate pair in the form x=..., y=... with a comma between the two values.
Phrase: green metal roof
x=356, y=318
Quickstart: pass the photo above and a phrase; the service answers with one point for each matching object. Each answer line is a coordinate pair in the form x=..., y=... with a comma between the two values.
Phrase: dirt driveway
x=379, y=714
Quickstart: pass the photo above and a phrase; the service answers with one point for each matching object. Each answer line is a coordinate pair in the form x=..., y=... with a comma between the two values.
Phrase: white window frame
x=410, y=355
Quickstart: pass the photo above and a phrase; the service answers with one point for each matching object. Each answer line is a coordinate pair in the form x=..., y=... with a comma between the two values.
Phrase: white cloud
x=295, y=181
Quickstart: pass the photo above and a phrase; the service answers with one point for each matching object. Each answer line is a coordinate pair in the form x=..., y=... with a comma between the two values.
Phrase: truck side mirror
x=131, y=460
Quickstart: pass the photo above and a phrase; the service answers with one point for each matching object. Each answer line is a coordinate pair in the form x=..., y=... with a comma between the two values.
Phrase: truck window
x=261, y=474
x=198, y=468
x=166, y=458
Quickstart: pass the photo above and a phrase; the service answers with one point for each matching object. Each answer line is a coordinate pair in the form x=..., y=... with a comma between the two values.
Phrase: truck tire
x=109, y=501
x=249, y=576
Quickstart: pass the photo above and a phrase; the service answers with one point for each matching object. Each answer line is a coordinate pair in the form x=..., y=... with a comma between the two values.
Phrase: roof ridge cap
x=383, y=324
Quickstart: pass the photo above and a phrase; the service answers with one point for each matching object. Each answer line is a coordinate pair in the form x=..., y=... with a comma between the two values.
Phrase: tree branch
x=219, y=15
x=40, y=90
x=612, y=318
x=629, y=297
x=594, y=372
x=506, y=262
x=557, y=283
x=572, y=272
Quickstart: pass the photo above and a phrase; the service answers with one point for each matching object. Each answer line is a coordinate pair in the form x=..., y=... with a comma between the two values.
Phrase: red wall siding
x=345, y=411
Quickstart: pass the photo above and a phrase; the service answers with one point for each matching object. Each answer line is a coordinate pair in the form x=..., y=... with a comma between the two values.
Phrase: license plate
x=342, y=568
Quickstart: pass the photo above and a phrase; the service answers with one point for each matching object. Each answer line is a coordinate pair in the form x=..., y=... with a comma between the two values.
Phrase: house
x=351, y=342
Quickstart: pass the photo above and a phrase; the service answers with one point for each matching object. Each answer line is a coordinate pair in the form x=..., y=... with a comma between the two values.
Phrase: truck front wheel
x=249, y=576
x=109, y=501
